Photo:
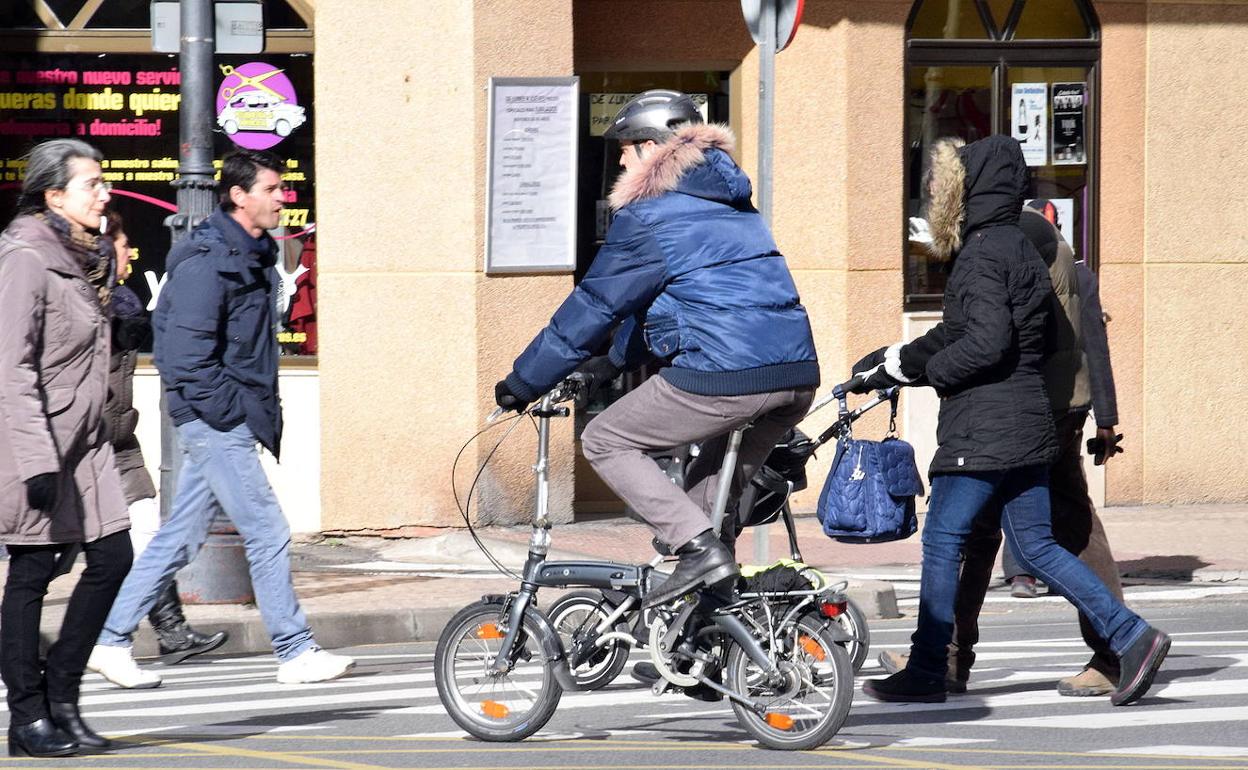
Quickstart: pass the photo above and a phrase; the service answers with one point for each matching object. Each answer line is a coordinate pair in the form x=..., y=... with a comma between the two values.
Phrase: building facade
x=1131, y=120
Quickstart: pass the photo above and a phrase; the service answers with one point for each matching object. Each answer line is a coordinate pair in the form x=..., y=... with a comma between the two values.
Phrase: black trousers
x=31, y=684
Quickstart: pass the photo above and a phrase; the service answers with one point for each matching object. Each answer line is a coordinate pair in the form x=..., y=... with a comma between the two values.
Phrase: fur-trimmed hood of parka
x=975, y=185
x=687, y=162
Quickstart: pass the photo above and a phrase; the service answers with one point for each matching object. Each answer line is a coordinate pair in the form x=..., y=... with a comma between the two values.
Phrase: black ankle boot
x=177, y=640
x=67, y=717
x=1139, y=665
x=704, y=561
x=40, y=739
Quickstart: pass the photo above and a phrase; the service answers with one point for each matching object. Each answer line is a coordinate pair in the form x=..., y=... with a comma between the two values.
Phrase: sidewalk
x=373, y=590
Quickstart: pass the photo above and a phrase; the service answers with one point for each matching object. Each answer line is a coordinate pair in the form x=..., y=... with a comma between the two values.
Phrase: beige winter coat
x=54, y=358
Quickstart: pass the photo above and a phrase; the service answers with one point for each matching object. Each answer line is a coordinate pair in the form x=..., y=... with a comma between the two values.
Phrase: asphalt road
x=230, y=713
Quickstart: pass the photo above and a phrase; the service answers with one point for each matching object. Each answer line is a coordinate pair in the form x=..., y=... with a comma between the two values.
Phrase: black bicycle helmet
x=653, y=115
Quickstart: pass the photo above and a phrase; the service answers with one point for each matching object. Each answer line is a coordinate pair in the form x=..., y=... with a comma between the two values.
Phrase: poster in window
x=1069, y=120
x=1029, y=121
x=126, y=105
x=1061, y=212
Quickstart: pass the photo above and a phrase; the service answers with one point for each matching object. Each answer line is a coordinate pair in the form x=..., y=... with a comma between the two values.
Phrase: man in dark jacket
x=689, y=274
x=217, y=356
x=995, y=431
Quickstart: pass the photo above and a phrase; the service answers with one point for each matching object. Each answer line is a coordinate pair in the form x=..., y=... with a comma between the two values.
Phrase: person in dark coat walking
x=995, y=431
x=216, y=351
x=131, y=330
x=59, y=487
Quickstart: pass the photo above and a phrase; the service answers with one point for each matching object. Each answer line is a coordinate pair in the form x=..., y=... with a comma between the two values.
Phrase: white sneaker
x=117, y=666
x=313, y=665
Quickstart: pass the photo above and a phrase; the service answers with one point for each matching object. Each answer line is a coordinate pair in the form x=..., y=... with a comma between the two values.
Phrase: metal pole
x=223, y=575
x=766, y=121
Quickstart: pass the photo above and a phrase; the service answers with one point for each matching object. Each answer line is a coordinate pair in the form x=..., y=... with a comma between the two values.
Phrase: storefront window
x=1029, y=70
x=126, y=104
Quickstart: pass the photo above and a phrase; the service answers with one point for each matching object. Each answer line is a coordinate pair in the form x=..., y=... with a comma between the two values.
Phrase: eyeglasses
x=95, y=186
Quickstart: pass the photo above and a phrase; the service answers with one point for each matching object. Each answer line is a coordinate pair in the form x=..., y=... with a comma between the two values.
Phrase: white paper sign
x=531, y=175
x=1029, y=103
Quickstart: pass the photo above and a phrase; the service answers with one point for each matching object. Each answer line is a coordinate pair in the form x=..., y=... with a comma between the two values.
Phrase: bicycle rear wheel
x=576, y=614
x=813, y=703
x=494, y=707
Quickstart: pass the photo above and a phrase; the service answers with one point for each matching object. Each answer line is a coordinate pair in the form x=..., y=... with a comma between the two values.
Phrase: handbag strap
x=843, y=413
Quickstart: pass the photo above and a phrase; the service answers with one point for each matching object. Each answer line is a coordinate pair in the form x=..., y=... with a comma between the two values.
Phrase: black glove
x=506, y=399
x=41, y=491
x=869, y=361
x=601, y=372
x=875, y=378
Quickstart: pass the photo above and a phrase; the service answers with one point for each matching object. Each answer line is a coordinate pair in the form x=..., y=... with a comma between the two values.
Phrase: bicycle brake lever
x=494, y=415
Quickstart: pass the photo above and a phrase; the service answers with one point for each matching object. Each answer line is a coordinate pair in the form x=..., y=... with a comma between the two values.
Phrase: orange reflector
x=813, y=648
x=489, y=631
x=779, y=721
x=494, y=710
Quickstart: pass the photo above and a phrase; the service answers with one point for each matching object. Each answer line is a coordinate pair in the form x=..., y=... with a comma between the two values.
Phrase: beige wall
x=412, y=335
x=1195, y=253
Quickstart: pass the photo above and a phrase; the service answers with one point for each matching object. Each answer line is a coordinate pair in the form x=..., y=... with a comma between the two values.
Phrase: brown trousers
x=1076, y=527
x=658, y=415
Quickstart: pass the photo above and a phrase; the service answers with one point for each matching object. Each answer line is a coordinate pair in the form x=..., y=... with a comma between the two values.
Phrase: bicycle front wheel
x=814, y=701
x=492, y=706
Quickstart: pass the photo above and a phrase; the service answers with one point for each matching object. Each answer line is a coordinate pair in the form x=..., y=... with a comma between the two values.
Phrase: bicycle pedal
x=660, y=687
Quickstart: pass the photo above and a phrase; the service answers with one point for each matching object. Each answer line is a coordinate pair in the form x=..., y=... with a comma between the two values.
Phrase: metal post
x=223, y=575
x=766, y=121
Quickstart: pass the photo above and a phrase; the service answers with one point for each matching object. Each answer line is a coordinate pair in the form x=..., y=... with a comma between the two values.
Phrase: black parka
x=985, y=357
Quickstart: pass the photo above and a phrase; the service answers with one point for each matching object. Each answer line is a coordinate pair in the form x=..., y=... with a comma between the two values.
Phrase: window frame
x=1000, y=55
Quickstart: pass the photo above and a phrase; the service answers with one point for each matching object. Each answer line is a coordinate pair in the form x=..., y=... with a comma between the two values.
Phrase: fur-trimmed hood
x=687, y=162
x=972, y=186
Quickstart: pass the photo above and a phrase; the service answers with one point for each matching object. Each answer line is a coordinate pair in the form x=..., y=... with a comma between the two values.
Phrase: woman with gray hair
x=59, y=487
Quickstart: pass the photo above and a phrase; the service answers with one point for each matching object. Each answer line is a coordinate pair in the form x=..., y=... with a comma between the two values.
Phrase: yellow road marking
x=277, y=756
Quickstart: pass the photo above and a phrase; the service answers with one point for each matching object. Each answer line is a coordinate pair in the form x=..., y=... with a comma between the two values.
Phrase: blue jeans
x=1022, y=494
x=220, y=471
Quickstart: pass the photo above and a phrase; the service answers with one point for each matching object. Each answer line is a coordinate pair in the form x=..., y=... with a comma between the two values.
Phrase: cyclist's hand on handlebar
x=506, y=399
x=600, y=372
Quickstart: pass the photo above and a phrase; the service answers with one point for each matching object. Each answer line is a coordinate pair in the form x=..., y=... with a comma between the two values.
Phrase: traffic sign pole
x=766, y=123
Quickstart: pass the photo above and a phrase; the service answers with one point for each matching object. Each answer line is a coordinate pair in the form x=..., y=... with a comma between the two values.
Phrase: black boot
x=1139, y=665
x=178, y=641
x=67, y=717
x=704, y=561
x=40, y=738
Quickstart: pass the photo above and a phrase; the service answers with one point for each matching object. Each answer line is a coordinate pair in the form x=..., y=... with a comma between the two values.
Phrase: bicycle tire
x=854, y=622
x=809, y=648
x=491, y=716
x=604, y=666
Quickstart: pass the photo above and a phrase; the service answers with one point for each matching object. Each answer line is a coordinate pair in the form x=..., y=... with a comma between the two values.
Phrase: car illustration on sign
x=260, y=111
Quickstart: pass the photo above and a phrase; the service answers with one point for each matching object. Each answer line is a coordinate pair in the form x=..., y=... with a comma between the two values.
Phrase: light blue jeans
x=220, y=471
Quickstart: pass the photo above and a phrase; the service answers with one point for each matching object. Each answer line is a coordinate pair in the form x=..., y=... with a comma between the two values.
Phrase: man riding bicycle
x=689, y=274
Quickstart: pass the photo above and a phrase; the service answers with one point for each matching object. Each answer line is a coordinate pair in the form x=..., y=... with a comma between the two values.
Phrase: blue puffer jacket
x=690, y=274
x=214, y=341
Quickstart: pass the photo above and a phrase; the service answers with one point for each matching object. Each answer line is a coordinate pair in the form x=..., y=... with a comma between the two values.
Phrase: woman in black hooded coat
x=995, y=430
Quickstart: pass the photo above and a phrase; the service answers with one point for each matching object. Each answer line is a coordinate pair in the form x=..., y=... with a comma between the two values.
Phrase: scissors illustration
x=256, y=81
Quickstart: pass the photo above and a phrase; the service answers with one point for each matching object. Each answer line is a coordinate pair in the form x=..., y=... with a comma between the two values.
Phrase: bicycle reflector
x=779, y=721
x=832, y=609
x=812, y=647
x=494, y=710
x=489, y=631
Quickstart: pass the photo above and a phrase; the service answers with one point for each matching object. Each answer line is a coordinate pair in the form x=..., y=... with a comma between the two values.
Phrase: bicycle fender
x=551, y=644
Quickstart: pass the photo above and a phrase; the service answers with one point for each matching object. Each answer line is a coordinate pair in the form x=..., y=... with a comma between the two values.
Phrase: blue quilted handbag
x=869, y=495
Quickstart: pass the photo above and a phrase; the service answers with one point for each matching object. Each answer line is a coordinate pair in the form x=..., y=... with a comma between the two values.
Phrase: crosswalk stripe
x=1118, y=718
x=1180, y=751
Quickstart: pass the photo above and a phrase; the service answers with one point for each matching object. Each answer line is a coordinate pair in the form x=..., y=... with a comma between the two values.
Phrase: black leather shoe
x=40, y=738
x=704, y=561
x=906, y=687
x=645, y=672
x=179, y=644
x=67, y=717
x=1139, y=665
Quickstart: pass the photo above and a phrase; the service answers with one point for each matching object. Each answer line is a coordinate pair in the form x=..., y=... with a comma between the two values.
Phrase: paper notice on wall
x=1069, y=120
x=531, y=175
x=604, y=107
x=1029, y=121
